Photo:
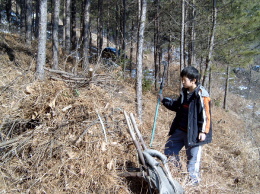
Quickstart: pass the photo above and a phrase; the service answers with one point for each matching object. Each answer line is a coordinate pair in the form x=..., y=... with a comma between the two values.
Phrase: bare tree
x=140, y=58
x=124, y=35
x=67, y=26
x=8, y=9
x=191, y=34
x=73, y=34
x=211, y=43
x=22, y=17
x=117, y=28
x=28, y=35
x=41, y=57
x=168, y=60
x=226, y=88
x=55, y=34
x=156, y=42
x=131, y=46
x=86, y=34
x=36, y=20
x=100, y=26
x=182, y=36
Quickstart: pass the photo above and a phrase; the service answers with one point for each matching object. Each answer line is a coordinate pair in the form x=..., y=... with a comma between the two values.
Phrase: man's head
x=191, y=73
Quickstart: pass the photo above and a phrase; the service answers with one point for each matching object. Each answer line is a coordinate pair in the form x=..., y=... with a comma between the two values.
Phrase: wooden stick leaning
x=137, y=131
x=137, y=145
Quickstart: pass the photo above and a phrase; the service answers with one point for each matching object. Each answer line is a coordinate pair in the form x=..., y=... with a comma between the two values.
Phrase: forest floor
x=53, y=140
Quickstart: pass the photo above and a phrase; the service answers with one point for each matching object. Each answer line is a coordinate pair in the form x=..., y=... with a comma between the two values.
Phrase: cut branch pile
x=82, y=80
x=65, y=141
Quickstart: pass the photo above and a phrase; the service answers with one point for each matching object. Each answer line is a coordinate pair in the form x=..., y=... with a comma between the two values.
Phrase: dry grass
x=52, y=140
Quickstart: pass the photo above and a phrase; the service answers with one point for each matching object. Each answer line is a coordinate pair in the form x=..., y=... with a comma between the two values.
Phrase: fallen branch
x=103, y=127
x=15, y=140
x=85, y=131
x=59, y=72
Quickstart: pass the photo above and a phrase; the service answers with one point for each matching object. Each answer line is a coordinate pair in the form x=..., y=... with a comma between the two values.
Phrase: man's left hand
x=202, y=136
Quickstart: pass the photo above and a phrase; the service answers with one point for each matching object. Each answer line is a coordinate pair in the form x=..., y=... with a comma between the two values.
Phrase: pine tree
x=41, y=57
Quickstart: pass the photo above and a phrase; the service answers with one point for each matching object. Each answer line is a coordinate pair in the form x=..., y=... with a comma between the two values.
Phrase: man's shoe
x=193, y=182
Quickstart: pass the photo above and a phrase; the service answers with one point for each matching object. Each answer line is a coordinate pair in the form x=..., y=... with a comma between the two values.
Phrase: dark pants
x=174, y=145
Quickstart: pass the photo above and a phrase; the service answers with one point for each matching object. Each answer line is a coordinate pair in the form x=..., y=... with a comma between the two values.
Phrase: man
x=191, y=126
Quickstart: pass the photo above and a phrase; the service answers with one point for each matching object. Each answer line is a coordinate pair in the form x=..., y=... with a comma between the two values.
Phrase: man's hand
x=160, y=96
x=202, y=136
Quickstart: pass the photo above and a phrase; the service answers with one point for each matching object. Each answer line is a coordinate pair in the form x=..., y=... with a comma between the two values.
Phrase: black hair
x=191, y=73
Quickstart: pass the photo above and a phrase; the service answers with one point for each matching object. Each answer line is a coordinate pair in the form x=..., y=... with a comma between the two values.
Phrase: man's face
x=187, y=83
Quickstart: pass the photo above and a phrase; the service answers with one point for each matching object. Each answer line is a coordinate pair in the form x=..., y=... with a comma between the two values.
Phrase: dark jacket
x=199, y=118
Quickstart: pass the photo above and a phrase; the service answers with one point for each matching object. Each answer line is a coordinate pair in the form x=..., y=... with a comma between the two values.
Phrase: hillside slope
x=52, y=139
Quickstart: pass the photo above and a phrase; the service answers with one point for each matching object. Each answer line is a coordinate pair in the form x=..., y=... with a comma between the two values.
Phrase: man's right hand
x=160, y=96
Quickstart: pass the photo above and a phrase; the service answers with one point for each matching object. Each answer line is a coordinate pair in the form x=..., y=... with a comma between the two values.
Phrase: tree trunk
x=156, y=44
x=67, y=27
x=131, y=47
x=8, y=9
x=124, y=35
x=138, y=21
x=182, y=36
x=108, y=21
x=168, y=60
x=41, y=57
x=86, y=26
x=193, y=36
x=55, y=34
x=36, y=20
x=249, y=83
x=226, y=89
x=28, y=35
x=64, y=25
x=211, y=44
x=73, y=34
x=139, y=59
x=100, y=27
x=23, y=20
x=191, y=32
x=117, y=28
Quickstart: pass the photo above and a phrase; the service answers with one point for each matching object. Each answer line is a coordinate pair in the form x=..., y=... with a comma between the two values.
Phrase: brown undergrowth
x=64, y=137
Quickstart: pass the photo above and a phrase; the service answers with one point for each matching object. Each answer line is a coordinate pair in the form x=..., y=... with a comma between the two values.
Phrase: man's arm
x=171, y=104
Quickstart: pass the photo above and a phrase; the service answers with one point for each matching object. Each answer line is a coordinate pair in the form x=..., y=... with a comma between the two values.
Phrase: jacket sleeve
x=206, y=114
x=172, y=104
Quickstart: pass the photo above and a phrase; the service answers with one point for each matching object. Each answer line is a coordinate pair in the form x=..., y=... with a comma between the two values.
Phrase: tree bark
x=182, y=36
x=124, y=35
x=168, y=60
x=8, y=9
x=73, y=36
x=117, y=26
x=55, y=34
x=226, y=88
x=139, y=59
x=191, y=32
x=23, y=20
x=108, y=21
x=36, y=20
x=73, y=26
x=156, y=44
x=28, y=35
x=41, y=57
x=67, y=27
x=100, y=27
x=86, y=26
x=211, y=44
x=131, y=47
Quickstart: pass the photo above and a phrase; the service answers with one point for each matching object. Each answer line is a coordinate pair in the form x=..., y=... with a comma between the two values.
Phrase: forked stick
x=137, y=131
x=137, y=145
